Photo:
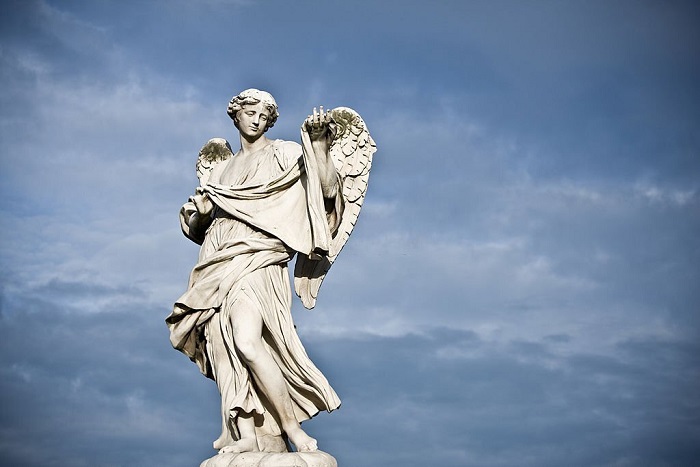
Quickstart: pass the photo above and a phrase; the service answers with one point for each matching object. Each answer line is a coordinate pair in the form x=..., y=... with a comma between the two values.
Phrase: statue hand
x=203, y=203
x=320, y=125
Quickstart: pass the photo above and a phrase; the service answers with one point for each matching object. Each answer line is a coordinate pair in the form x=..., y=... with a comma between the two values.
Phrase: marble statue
x=252, y=212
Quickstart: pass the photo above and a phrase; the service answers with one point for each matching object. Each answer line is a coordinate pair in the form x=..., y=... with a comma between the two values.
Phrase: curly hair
x=251, y=97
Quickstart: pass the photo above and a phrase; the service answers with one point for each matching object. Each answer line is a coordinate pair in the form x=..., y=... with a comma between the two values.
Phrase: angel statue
x=252, y=213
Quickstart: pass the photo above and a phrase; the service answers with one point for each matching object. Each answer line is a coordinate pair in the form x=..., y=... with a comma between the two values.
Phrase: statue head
x=253, y=96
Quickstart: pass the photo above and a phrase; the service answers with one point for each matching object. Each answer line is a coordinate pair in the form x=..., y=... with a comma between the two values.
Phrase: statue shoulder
x=287, y=152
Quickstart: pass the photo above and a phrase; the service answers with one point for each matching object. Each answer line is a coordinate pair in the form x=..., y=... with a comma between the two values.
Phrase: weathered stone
x=264, y=459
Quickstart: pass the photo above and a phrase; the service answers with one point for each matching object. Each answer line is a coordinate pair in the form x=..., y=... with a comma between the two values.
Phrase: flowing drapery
x=259, y=225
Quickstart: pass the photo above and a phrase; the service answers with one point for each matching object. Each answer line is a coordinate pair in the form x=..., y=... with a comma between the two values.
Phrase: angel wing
x=216, y=150
x=351, y=150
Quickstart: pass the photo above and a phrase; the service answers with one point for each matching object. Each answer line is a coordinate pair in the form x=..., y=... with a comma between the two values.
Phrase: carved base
x=270, y=459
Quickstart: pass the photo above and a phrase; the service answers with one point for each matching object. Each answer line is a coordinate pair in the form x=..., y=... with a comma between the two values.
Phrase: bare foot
x=302, y=441
x=223, y=440
x=243, y=445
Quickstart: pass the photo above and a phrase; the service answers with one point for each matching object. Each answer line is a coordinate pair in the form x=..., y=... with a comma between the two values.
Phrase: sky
x=521, y=288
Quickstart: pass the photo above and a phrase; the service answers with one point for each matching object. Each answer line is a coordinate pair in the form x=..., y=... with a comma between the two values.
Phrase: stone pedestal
x=272, y=459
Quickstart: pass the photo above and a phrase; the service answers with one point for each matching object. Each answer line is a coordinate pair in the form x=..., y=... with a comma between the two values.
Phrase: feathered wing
x=215, y=151
x=351, y=150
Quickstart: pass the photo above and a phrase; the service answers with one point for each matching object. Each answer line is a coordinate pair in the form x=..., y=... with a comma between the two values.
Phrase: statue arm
x=321, y=133
x=194, y=223
x=328, y=176
x=351, y=150
x=195, y=215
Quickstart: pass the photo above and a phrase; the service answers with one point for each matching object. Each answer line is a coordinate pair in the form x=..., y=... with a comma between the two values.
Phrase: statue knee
x=247, y=348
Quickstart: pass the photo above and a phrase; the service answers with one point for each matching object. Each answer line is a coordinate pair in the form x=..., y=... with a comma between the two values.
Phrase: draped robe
x=272, y=210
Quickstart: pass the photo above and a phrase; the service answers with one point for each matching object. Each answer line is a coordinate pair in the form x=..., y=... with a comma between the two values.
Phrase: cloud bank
x=521, y=285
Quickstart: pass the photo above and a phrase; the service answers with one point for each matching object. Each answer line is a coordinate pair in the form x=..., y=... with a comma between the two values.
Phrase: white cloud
x=671, y=196
x=487, y=290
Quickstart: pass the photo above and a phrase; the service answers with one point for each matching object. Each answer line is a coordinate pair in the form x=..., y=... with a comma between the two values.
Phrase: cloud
x=498, y=249
x=525, y=403
x=520, y=288
x=88, y=369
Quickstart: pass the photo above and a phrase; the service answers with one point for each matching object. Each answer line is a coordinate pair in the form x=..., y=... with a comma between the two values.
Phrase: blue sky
x=522, y=285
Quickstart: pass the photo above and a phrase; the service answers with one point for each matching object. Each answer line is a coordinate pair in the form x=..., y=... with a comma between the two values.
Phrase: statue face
x=252, y=120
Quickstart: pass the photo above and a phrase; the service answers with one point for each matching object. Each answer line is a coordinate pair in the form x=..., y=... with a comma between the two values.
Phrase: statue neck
x=249, y=147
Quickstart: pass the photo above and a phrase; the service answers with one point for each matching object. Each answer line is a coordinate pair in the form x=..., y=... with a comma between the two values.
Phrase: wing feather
x=215, y=151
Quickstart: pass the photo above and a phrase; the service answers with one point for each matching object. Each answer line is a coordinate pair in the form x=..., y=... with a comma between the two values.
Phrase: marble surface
x=266, y=459
x=253, y=212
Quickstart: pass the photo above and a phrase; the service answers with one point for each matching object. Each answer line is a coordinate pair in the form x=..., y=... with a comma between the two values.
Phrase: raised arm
x=350, y=151
x=320, y=129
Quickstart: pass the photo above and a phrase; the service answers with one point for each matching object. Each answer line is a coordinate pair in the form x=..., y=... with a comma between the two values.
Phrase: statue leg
x=247, y=327
x=237, y=434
